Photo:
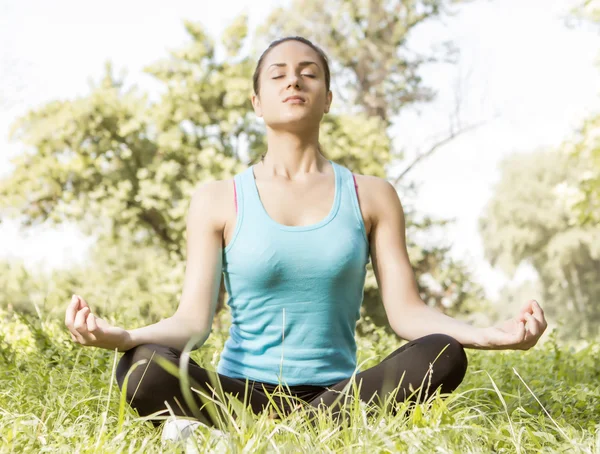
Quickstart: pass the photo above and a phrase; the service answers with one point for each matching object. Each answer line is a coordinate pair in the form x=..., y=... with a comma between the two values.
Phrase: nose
x=294, y=80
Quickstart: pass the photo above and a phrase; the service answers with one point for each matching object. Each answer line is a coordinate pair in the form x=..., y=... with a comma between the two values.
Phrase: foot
x=179, y=429
x=176, y=429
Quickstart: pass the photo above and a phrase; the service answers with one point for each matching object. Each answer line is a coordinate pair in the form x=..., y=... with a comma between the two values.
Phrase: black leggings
x=149, y=386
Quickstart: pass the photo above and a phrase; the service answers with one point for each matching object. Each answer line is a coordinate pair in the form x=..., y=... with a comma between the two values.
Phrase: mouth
x=294, y=98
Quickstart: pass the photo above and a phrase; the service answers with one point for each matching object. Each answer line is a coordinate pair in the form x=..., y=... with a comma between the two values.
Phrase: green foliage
x=529, y=219
x=587, y=9
x=123, y=167
x=366, y=42
x=138, y=286
x=583, y=195
x=61, y=397
x=119, y=165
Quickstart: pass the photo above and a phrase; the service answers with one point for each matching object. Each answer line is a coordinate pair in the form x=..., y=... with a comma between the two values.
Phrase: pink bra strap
x=355, y=185
x=235, y=196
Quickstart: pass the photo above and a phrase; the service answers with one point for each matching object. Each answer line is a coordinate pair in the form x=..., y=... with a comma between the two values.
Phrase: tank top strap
x=301, y=286
x=249, y=186
x=240, y=192
x=244, y=189
x=350, y=199
x=350, y=188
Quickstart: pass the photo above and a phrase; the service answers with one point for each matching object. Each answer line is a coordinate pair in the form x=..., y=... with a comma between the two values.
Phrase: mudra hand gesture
x=90, y=330
x=518, y=333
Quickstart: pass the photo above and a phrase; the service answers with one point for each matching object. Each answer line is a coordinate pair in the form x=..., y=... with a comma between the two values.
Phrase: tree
x=585, y=192
x=375, y=76
x=529, y=220
x=123, y=167
x=587, y=10
x=129, y=285
x=120, y=166
x=117, y=164
x=367, y=42
x=546, y=213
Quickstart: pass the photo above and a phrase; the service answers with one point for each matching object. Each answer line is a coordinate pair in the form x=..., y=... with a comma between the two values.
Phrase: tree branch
x=439, y=144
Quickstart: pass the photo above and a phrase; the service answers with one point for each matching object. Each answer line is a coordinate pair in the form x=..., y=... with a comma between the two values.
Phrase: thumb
x=91, y=322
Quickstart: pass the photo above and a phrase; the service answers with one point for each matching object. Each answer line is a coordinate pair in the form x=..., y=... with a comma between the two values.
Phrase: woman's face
x=292, y=69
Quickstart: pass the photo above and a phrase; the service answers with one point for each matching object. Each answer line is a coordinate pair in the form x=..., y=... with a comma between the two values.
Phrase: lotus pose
x=292, y=235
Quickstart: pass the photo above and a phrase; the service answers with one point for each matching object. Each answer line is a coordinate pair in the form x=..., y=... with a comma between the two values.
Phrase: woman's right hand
x=92, y=331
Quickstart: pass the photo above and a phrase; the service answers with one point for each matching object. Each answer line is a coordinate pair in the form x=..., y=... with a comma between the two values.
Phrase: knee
x=146, y=377
x=448, y=354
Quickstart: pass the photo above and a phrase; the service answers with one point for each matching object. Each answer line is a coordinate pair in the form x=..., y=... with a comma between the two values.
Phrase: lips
x=294, y=97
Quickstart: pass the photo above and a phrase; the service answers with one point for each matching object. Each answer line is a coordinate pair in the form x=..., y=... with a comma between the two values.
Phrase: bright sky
x=518, y=60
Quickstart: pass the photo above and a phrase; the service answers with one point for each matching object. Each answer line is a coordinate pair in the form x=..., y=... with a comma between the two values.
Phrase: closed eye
x=307, y=75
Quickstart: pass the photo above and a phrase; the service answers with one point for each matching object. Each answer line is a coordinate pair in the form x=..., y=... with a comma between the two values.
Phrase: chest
x=298, y=204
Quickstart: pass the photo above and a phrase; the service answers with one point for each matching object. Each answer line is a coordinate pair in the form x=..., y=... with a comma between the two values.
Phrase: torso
x=295, y=203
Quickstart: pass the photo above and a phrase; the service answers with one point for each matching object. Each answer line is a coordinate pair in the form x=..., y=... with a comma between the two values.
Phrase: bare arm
x=409, y=316
x=194, y=316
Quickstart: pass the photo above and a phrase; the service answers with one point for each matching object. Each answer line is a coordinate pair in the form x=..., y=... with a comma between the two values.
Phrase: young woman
x=292, y=236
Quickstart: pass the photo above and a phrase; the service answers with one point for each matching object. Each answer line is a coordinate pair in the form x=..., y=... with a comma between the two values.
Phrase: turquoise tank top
x=294, y=291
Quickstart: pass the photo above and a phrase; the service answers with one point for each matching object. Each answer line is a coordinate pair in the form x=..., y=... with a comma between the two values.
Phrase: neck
x=292, y=155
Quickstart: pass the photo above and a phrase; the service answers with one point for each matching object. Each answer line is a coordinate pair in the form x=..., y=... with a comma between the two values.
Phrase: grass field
x=57, y=396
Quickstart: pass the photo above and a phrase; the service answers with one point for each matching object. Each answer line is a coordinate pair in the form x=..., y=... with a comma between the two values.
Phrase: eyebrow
x=302, y=63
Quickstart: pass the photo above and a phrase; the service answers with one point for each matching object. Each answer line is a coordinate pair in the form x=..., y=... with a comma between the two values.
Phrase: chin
x=292, y=122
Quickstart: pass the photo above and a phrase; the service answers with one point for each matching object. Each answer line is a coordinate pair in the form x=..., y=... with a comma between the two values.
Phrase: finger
x=82, y=301
x=538, y=313
x=527, y=307
x=542, y=317
x=72, y=309
x=85, y=337
x=92, y=326
x=89, y=336
x=532, y=325
x=79, y=324
x=78, y=338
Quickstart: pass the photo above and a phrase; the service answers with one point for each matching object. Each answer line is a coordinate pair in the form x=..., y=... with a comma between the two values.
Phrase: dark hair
x=317, y=49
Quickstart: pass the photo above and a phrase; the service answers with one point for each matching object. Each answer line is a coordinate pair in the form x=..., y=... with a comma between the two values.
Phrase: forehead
x=291, y=52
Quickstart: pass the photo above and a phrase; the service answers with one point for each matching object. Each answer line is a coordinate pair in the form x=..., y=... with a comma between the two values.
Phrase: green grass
x=56, y=396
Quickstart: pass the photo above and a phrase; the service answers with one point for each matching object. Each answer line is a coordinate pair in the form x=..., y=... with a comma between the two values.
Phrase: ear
x=328, y=102
x=256, y=105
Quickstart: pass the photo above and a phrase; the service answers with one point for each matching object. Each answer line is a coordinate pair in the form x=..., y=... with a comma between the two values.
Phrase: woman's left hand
x=519, y=333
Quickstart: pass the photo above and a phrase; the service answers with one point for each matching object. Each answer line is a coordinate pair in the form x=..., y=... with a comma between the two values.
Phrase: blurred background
x=485, y=115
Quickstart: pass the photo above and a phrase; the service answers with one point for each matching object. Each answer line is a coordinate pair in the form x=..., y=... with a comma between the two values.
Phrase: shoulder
x=379, y=199
x=374, y=184
x=210, y=200
x=377, y=195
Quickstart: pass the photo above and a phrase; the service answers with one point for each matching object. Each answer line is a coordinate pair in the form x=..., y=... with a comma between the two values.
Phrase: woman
x=292, y=236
